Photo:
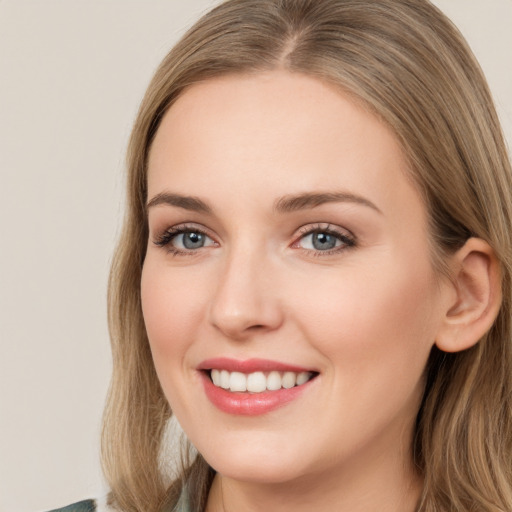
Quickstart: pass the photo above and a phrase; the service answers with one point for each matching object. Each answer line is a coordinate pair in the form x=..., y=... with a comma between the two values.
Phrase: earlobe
x=474, y=306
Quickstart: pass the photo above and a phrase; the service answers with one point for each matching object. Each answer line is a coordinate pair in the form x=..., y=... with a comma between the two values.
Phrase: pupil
x=193, y=240
x=323, y=241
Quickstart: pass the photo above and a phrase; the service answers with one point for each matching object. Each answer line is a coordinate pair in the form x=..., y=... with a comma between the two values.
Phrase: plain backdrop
x=72, y=73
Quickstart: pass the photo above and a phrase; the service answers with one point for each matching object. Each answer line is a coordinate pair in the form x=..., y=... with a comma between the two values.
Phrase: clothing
x=81, y=506
x=94, y=506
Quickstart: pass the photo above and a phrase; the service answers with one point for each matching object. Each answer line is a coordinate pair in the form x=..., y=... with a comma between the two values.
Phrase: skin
x=365, y=316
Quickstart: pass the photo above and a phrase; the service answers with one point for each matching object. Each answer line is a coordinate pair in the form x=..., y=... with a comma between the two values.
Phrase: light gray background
x=72, y=73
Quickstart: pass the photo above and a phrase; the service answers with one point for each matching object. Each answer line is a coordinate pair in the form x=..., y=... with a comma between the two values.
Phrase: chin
x=256, y=471
x=257, y=461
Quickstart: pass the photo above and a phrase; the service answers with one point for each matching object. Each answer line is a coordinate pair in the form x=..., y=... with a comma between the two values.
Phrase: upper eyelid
x=163, y=238
x=305, y=228
x=325, y=227
x=184, y=227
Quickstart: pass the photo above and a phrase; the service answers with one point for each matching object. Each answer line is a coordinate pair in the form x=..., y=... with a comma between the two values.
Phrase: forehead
x=272, y=134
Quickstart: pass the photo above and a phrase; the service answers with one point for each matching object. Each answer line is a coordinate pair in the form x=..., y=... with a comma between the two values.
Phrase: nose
x=246, y=298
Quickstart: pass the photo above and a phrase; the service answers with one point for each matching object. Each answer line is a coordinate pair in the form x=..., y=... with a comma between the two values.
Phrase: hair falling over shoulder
x=411, y=67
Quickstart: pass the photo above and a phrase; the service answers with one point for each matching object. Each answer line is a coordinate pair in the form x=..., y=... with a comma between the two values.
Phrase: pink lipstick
x=254, y=386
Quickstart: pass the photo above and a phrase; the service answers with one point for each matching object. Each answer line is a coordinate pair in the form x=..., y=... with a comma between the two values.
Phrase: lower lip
x=250, y=404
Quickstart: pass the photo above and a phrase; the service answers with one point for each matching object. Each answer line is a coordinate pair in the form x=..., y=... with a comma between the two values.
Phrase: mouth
x=254, y=386
x=258, y=382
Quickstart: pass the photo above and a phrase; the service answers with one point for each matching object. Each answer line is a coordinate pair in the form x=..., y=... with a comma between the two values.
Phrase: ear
x=475, y=297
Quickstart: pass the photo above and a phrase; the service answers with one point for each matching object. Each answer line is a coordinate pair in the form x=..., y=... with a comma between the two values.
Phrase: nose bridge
x=245, y=300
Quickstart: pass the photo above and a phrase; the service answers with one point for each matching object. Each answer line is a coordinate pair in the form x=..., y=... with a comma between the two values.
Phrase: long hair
x=411, y=67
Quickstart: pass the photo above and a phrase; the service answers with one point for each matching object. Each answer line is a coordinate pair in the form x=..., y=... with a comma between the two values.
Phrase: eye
x=320, y=241
x=184, y=240
x=190, y=240
x=326, y=240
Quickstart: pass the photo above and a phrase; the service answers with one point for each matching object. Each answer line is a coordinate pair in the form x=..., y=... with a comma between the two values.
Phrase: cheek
x=172, y=305
x=369, y=323
x=375, y=334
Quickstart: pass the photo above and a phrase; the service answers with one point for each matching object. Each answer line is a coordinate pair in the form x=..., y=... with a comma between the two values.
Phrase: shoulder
x=100, y=505
x=96, y=505
x=81, y=506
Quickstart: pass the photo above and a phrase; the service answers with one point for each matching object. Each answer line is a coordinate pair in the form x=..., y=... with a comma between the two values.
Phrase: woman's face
x=288, y=252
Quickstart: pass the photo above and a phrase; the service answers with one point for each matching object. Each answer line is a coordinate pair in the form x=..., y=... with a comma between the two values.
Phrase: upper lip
x=249, y=365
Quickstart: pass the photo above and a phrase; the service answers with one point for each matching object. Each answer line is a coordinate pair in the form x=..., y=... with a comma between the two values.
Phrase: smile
x=254, y=386
x=258, y=382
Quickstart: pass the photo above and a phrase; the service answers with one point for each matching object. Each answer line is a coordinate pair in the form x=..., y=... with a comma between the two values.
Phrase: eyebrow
x=190, y=203
x=286, y=204
x=307, y=200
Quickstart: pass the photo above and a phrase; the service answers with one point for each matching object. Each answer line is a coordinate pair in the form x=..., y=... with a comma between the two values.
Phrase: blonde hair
x=411, y=67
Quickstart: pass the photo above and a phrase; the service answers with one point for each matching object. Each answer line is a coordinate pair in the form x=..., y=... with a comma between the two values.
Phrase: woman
x=314, y=275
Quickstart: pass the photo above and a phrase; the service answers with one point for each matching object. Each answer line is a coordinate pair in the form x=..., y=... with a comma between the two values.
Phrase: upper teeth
x=258, y=381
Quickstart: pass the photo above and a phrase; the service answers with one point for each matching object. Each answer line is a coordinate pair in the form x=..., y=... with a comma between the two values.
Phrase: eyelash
x=164, y=240
x=348, y=241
